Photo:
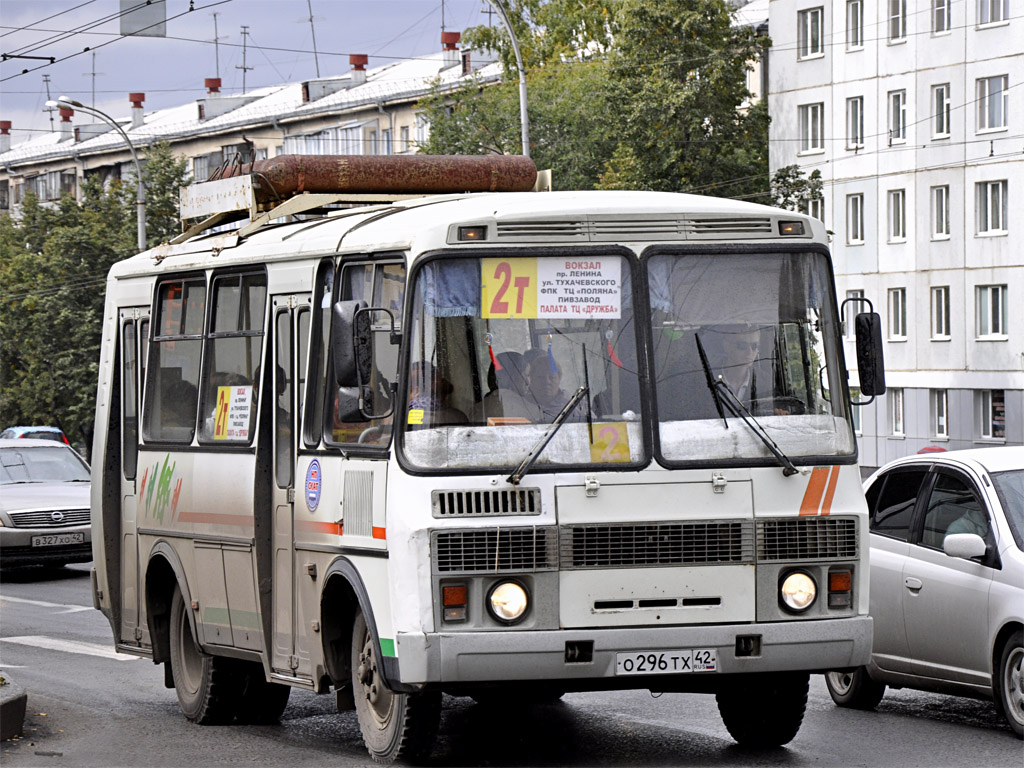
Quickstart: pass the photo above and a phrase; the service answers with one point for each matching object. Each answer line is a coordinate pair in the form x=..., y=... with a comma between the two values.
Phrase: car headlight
x=508, y=602
x=798, y=591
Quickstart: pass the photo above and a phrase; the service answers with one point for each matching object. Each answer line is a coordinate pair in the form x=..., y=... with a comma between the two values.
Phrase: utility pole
x=245, y=40
x=312, y=28
x=46, y=81
x=93, y=75
x=490, y=13
x=216, y=43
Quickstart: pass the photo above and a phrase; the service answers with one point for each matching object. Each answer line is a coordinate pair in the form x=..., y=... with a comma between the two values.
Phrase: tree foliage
x=53, y=267
x=622, y=95
x=792, y=190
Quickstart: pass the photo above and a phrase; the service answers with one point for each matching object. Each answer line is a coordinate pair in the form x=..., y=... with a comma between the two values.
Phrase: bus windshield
x=754, y=330
x=500, y=345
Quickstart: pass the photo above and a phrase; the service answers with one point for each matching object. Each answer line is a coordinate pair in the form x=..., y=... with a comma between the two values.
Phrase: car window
x=953, y=507
x=892, y=514
x=41, y=465
x=1010, y=489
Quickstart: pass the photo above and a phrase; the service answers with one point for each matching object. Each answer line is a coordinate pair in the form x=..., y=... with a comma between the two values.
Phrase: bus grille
x=495, y=550
x=47, y=518
x=807, y=538
x=520, y=501
x=645, y=545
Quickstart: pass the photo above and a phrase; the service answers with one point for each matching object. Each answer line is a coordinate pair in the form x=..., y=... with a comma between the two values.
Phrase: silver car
x=947, y=580
x=44, y=504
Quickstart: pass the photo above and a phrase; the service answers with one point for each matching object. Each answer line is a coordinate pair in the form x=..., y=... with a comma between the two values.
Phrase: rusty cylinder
x=390, y=174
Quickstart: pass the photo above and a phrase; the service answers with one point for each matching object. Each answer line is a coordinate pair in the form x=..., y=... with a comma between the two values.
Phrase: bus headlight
x=797, y=591
x=508, y=601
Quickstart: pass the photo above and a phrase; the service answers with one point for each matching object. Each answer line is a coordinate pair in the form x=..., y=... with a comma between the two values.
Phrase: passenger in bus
x=429, y=394
x=178, y=406
x=545, y=381
x=508, y=397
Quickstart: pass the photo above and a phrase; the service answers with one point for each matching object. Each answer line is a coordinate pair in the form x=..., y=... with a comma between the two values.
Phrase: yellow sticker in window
x=611, y=443
x=415, y=415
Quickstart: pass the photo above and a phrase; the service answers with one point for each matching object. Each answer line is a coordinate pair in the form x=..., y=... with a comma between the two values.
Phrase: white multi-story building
x=913, y=111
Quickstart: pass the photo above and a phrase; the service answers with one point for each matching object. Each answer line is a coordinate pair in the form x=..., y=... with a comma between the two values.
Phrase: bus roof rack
x=288, y=185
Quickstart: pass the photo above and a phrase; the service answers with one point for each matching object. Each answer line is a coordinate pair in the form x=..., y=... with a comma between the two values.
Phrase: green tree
x=792, y=190
x=53, y=267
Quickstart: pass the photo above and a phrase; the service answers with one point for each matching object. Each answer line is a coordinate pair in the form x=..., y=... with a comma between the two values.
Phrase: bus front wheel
x=394, y=725
x=207, y=686
x=764, y=710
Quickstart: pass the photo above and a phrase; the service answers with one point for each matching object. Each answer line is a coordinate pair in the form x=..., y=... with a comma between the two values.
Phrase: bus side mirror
x=870, y=366
x=350, y=353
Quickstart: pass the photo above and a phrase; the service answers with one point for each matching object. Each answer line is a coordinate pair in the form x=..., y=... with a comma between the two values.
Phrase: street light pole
x=524, y=119
x=140, y=188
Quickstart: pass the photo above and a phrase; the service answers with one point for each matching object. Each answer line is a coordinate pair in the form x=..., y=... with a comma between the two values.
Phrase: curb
x=13, y=700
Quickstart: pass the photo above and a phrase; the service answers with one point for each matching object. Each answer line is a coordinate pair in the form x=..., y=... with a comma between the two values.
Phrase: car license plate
x=666, y=662
x=58, y=539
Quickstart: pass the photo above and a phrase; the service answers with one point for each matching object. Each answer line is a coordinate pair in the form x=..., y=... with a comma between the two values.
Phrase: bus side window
x=129, y=384
x=283, y=380
x=320, y=334
x=173, y=384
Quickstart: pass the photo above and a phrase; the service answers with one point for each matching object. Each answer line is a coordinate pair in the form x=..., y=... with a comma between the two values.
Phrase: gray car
x=44, y=504
x=947, y=580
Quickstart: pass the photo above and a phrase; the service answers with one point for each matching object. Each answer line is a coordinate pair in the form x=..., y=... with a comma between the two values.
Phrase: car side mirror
x=964, y=545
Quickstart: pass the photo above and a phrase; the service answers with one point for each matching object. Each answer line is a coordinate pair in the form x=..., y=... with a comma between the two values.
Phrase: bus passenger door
x=134, y=325
x=290, y=344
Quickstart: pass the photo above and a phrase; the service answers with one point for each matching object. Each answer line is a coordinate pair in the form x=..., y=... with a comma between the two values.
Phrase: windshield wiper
x=737, y=408
x=555, y=425
x=710, y=379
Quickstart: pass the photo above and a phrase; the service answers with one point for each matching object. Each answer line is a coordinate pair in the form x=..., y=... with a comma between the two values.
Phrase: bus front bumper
x=590, y=655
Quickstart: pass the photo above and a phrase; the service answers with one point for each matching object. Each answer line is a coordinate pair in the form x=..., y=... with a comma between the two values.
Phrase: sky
x=171, y=70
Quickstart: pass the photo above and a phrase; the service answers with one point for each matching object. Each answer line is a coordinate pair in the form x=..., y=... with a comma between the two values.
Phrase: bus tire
x=261, y=702
x=764, y=710
x=854, y=689
x=395, y=726
x=208, y=687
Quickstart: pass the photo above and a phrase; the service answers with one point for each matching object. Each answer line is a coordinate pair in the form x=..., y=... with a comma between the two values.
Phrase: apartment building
x=362, y=111
x=913, y=111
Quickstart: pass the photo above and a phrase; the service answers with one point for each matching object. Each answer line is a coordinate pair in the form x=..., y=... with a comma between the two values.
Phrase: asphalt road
x=91, y=707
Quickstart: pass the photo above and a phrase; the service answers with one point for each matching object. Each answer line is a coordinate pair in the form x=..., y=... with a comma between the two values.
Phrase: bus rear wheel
x=764, y=710
x=208, y=687
x=260, y=702
x=394, y=725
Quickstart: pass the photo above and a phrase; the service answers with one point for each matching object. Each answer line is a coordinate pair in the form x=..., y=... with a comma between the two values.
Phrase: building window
x=809, y=37
x=855, y=411
x=897, y=314
x=851, y=310
x=897, y=117
x=814, y=207
x=897, y=215
x=940, y=312
x=422, y=130
x=939, y=407
x=897, y=20
x=895, y=398
x=993, y=11
x=940, y=213
x=385, y=142
x=855, y=219
x=403, y=139
x=812, y=127
x=940, y=118
x=992, y=310
x=854, y=24
x=992, y=414
x=940, y=16
x=993, y=102
x=991, y=207
x=855, y=122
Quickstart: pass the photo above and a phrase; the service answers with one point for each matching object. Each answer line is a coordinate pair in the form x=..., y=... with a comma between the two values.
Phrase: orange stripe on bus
x=833, y=479
x=378, y=533
x=815, y=487
x=318, y=527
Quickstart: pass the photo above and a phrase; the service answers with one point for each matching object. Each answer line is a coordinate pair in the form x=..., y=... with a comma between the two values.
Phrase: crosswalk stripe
x=69, y=646
x=40, y=603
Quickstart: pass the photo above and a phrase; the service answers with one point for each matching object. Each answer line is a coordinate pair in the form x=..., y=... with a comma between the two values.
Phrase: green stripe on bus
x=387, y=647
x=238, y=619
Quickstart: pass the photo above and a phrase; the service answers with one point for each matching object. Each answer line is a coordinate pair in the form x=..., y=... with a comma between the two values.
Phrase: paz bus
x=410, y=428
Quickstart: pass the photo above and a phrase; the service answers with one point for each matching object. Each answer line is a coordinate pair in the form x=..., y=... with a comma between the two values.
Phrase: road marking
x=69, y=646
x=68, y=608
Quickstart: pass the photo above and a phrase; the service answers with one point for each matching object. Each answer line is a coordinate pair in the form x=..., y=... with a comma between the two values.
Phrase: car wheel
x=854, y=689
x=1010, y=683
x=395, y=726
x=764, y=710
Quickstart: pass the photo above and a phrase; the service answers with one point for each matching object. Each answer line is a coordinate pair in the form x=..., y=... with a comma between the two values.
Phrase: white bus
x=501, y=445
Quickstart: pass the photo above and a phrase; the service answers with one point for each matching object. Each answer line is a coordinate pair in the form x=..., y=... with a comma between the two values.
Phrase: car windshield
x=1010, y=489
x=761, y=326
x=500, y=345
x=41, y=465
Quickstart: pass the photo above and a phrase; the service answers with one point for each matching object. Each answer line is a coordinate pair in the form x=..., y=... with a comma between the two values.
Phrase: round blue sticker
x=313, y=485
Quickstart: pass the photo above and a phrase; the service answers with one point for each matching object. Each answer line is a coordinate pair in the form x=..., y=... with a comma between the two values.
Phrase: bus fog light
x=508, y=602
x=454, y=598
x=840, y=589
x=798, y=591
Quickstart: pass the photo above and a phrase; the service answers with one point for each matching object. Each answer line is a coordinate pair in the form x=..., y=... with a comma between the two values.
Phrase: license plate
x=666, y=662
x=58, y=539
